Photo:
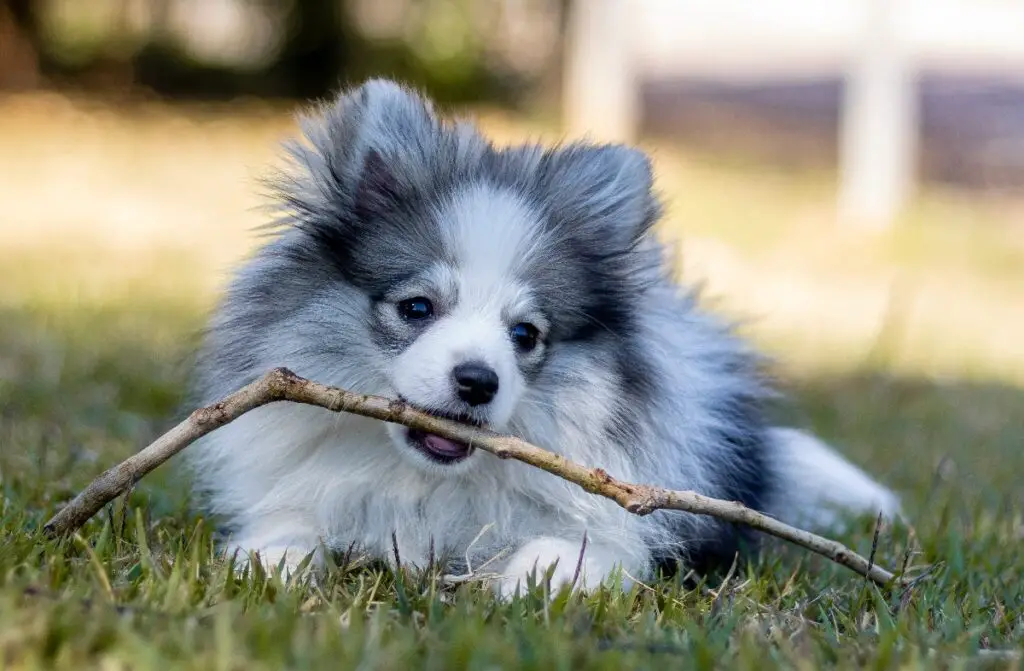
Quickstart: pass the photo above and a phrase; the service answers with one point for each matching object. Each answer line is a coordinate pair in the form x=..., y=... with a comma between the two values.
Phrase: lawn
x=906, y=348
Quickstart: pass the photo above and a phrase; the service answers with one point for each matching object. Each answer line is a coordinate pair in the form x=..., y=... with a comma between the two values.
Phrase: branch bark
x=283, y=385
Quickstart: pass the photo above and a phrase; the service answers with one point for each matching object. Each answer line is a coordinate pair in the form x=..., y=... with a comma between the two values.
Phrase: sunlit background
x=846, y=176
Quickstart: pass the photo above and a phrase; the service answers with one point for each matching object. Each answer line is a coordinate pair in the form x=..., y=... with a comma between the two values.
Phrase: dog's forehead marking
x=490, y=232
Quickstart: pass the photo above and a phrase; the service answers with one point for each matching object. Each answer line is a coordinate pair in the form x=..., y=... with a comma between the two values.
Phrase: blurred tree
x=460, y=50
x=313, y=48
x=19, y=44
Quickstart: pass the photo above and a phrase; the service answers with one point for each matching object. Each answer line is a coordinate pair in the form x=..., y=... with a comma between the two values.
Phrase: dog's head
x=478, y=270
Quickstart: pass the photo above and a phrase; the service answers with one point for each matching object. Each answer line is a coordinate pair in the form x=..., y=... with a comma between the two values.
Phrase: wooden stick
x=283, y=385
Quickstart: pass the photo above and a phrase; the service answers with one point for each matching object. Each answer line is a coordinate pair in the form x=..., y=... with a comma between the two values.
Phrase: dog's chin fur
x=385, y=203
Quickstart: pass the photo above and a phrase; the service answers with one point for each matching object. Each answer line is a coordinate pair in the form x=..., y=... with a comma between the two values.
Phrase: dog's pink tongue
x=443, y=446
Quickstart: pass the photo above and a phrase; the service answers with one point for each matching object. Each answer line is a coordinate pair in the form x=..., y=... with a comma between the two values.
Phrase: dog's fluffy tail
x=819, y=488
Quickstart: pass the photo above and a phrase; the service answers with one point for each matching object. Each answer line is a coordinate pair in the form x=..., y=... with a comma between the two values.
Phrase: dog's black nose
x=477, y=384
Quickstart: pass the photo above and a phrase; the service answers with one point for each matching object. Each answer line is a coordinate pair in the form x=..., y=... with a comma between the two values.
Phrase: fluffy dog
x=517, y=288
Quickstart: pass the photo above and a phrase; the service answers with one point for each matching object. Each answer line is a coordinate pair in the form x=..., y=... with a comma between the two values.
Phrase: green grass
x=94, y=345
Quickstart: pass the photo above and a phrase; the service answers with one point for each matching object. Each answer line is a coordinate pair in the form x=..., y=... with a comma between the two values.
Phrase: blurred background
x=847, y=175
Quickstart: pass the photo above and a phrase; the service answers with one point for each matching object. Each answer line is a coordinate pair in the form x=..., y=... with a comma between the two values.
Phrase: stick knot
x=210, y=414
x=397, y=407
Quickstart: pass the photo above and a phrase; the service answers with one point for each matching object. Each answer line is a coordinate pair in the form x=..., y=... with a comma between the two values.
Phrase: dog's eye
x=524, y=336
x=415, y=309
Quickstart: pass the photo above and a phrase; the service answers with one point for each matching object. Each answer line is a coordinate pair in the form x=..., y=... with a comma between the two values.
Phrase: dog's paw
x=570, y=563
x=291, y=560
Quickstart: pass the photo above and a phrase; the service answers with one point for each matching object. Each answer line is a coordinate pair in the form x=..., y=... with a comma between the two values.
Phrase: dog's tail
x=818, y=488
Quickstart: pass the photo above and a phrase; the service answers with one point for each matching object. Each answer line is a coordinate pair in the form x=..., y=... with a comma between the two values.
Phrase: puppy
x=521, y=289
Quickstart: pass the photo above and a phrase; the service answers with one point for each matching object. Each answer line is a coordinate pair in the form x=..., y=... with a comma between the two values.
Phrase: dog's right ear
x=364, y=149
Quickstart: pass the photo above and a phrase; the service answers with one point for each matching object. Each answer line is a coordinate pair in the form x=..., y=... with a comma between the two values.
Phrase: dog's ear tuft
x=605, y=190
x=393, y=119
x=379, y=135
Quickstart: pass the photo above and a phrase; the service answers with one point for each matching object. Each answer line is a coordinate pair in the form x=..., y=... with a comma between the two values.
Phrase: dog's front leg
x=590, y=566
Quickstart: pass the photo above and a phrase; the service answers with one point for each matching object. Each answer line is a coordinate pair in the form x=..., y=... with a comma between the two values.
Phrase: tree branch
x=283, y=385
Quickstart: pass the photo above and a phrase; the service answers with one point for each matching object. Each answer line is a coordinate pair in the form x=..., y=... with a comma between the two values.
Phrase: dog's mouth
x=438, y=449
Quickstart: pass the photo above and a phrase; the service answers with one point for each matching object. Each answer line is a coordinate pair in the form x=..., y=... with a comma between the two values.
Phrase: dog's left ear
x=602, y=190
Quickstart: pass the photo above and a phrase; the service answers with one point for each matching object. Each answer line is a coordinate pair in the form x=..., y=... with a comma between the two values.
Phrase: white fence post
x=599, y=89
x=878, y=143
